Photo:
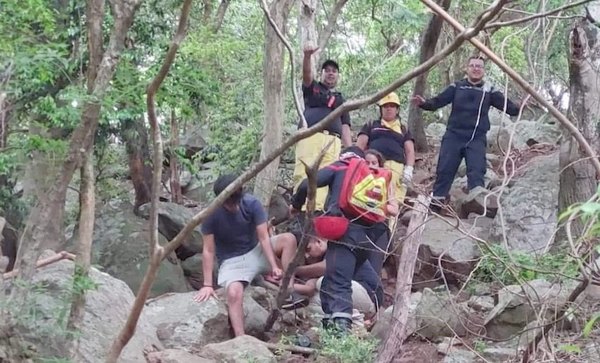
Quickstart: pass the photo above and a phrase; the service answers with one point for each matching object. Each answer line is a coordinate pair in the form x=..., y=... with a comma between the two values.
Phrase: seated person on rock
x=356, y=236
x=237, y=233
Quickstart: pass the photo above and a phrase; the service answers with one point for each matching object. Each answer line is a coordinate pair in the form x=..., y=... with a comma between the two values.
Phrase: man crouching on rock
x=234, y=231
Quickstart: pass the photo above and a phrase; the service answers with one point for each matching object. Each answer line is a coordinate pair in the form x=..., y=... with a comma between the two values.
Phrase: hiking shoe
x=440, y=206
x=295, y=301
x=342, y=325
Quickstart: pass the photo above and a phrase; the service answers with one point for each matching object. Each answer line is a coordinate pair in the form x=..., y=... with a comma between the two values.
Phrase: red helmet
x=330, y=227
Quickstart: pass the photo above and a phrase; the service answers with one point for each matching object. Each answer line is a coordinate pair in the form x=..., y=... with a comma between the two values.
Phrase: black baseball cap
x=332, y=63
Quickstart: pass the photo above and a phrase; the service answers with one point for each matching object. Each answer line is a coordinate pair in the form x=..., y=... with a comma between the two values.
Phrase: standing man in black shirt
x=320, y=99
x=467, y=128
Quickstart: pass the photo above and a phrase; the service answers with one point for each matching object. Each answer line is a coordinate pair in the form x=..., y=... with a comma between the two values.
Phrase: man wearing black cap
x=320, y=99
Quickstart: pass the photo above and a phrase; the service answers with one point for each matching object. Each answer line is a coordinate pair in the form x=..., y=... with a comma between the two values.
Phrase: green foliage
x=589, y=326
x=526, y=266
x=570, y=348
x=479, y=345
x=347, y=348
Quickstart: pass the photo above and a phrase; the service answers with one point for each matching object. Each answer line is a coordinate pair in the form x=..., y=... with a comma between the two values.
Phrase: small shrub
x=347, y=348
x=527, y=267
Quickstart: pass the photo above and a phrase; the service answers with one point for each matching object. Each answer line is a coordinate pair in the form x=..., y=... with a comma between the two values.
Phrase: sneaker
x=295, y=301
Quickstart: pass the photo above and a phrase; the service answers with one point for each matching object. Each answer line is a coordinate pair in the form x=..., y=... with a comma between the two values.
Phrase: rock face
x=185, y=324
x=176, y=356
x=513, y=311
x=459, y=253
x=172, y=218
x=121, y=247
x=524, y=134
x=435, y=130
x=239, y=350
x=530, y=208
x=106, y=310
x=384, y=323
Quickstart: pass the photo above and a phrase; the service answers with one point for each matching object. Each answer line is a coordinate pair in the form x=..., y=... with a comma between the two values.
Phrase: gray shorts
x=244, y=268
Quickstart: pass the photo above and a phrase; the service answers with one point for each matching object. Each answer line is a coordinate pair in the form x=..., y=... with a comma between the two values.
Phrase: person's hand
x=276, y=272
x=407, y=174
x=293, y=211
x=204, y=294
x=310, y=50
x=417, y=100
x=392, y=208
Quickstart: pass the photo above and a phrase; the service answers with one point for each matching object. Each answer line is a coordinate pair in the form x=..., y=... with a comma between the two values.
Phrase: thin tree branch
x=220, y=15
x=331, y=23
x=311, y=174
x=156, y=251
x=517, y=78
x=536, y=16
x=285, y=42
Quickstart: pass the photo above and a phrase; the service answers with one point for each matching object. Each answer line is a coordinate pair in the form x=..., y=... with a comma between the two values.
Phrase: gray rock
x=106, y=310
x=530, y=208
x=120, y=246
x=172, y=218
x=481, y=303
x=384, y=323
x=499, y=354
x=242, y=349
x=439, y=315
x=176, y=356
x=513, y=312
x=435, y=130
x=460, y=356
x=460, y=252
x=447, y=344
x=185, y=324
x=528, y=133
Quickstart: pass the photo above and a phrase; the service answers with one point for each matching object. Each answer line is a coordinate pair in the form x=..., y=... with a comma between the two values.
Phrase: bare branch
x=156, y=252
x=311, y=174
x=220, y=15
x=536, y=16
x=285, y=42
x=526, y=87
x=325, y=35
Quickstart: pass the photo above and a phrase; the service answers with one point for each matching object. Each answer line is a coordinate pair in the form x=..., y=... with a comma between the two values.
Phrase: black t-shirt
x=385, y=140
x=320, y=101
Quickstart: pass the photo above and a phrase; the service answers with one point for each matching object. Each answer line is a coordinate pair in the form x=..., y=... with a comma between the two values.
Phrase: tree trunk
x=135, y=135
x=393, y=342
x=84, y=248
x=274, y=93
x=578, y=178
x=176, y=196
x=428, y=44
x=41, y=227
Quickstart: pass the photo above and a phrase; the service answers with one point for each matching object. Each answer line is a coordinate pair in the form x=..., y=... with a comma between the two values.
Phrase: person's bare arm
x=409, y=152
x=362, y=141
x=208, y=262
x=307, y=73
x=346, y=135
x=311, y=271
x=262, y=231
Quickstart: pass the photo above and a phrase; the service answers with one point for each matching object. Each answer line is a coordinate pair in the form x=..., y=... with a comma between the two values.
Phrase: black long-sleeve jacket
x=468, y=101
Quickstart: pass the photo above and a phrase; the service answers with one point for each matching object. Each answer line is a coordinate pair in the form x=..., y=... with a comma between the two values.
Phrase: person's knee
x=235, y=292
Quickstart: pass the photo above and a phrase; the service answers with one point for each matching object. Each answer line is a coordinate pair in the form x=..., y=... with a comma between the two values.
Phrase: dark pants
x=344, y=261
x=453, y=149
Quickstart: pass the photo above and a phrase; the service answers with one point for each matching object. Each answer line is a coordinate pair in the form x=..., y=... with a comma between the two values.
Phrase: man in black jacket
x=467, y=127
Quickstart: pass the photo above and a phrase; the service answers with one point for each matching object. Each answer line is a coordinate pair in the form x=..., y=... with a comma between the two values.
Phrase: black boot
x=342, y=325
x=326, y=323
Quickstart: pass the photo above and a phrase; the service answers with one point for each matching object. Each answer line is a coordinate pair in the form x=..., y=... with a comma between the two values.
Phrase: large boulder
x=120, y=246
x=527, y=133
x=439, y=314
x=457, y=252
x=172, y=218
x=384, y=322
x=530, y=208
x=183, y=323
x=435, y=130
x=106, y=310
x=242, y=349
x=518, y=305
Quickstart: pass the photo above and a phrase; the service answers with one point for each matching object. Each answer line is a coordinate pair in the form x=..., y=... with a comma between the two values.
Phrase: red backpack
x=364, y=192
